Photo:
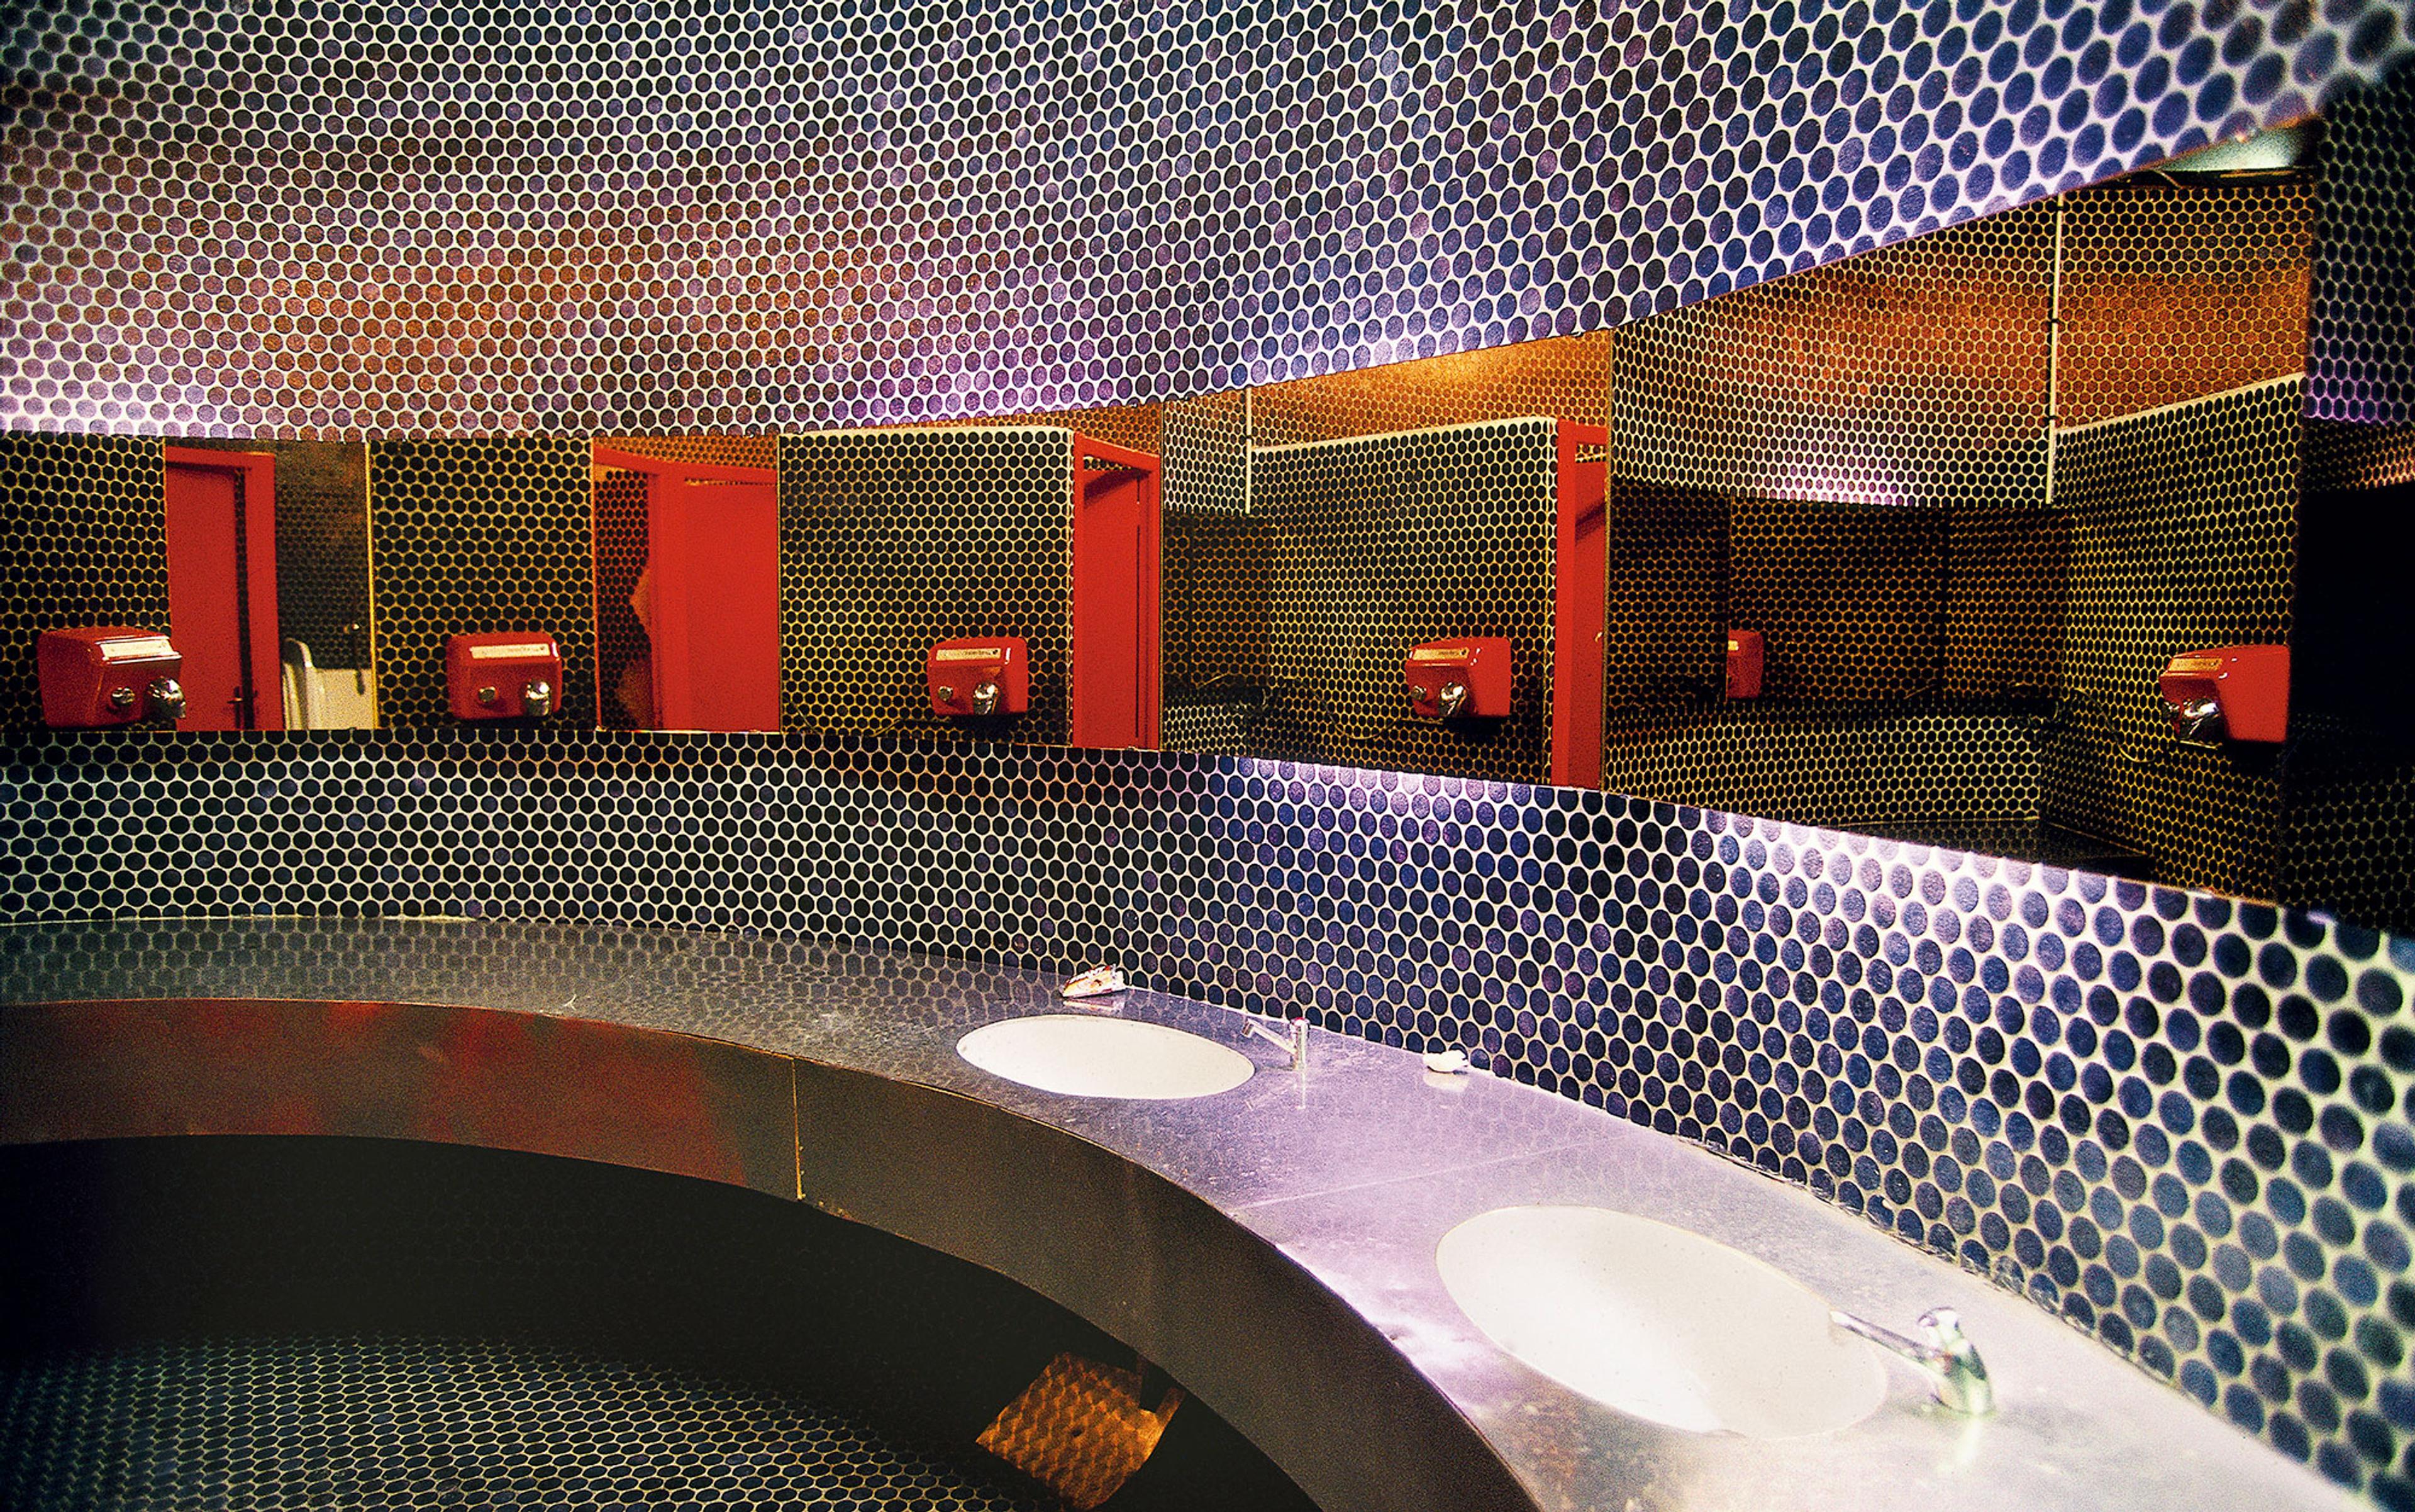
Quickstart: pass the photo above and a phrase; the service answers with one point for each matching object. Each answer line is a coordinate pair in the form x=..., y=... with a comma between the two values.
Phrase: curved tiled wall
x=297, y=219
x=2184, y=1122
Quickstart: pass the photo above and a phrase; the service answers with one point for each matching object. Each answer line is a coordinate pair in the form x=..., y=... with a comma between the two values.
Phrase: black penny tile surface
x=260, y=1425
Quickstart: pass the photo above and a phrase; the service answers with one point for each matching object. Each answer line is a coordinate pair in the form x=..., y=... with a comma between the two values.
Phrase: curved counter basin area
x=1273, y=1245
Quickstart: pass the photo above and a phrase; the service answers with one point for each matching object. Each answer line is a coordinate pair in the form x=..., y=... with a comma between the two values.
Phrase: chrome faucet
x=1292, y=1040
x=1957, y=1378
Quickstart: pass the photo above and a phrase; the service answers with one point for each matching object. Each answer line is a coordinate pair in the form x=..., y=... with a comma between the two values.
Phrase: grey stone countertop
x=1353, y=1170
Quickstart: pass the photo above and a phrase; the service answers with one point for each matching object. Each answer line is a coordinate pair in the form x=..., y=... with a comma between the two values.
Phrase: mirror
x=1896, y=545
x=687, y=582
x=268, y=583
x=904, y=580
x=1901, y=545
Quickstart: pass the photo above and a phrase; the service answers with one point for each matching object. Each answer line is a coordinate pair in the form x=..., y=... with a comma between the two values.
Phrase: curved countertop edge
x=1272, y=1246
x=1255, y=1336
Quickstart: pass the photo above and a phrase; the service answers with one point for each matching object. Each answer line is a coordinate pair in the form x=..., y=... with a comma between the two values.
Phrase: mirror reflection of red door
x=1580, y=606
x=1113, y=679
x=221, y=516
x=712, y=591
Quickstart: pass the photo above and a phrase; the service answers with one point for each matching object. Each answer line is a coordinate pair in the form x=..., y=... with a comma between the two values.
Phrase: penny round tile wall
x=291, y=1422
x=2361, y=351
x=891, y=540
x=662, y=216
x=1379, y=544
x=477, y=535
x=2183, y=1123
x=87, y=543
x=2182, y=536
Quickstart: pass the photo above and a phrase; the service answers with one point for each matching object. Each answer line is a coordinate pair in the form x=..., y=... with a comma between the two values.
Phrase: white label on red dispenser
x=969, y=653
x=136, y=649
x=515, y=653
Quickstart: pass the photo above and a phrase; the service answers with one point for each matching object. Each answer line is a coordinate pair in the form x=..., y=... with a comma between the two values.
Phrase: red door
x=1115, y=675
x=1580, y=606
x=713, y=592
x=222, y=509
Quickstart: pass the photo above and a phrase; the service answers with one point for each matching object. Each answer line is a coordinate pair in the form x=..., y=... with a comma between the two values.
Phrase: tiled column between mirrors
x=1914, y=357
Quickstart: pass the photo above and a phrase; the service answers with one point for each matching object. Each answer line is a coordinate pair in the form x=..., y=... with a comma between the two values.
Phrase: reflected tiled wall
x=1212, y=579
x=2361, y=353
x=2174, y=292
x=83, y=541
x=2183, y=1123
x=893, y=540
x=244, y=216
x=473, y=536
x=1916, y=376
x=2183, y=525
x=1379, y=544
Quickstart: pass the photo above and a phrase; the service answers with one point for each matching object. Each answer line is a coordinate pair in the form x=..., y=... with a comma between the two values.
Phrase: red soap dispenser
x=975, y=678
x=1463, y=679
x=110, y=675
x=2228, y=692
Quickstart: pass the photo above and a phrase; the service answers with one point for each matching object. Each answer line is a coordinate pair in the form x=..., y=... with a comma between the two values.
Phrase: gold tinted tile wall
x=1213, y=581
x=1916, y=375
x=1851, y=599
x=473, y=535
x=1953, y=779
x=1379, y=544
x=2173, y=293
x=85, y=544
x=892, y=540
x=624, y=655
x=1566, y=378
x=2007, y=582
x=1664, y=649
x=2183, y=524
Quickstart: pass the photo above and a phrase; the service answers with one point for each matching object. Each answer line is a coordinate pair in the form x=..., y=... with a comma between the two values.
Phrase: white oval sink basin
x=1660, y=1322
x=1082, y=1056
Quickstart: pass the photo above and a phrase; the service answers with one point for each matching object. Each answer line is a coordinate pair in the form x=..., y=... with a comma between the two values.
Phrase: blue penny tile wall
x=298, y=219
x=2177, y=1120
x=2184, y=1122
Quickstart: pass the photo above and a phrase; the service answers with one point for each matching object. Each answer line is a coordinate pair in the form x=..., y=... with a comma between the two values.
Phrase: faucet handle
x=1966, y=1372
x=1958, y=1377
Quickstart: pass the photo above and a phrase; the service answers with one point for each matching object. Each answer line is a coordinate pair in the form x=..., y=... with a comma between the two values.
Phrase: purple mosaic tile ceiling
x=301, y=218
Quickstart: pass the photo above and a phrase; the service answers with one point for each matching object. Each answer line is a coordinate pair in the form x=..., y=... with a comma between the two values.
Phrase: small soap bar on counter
x=1100, y=982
